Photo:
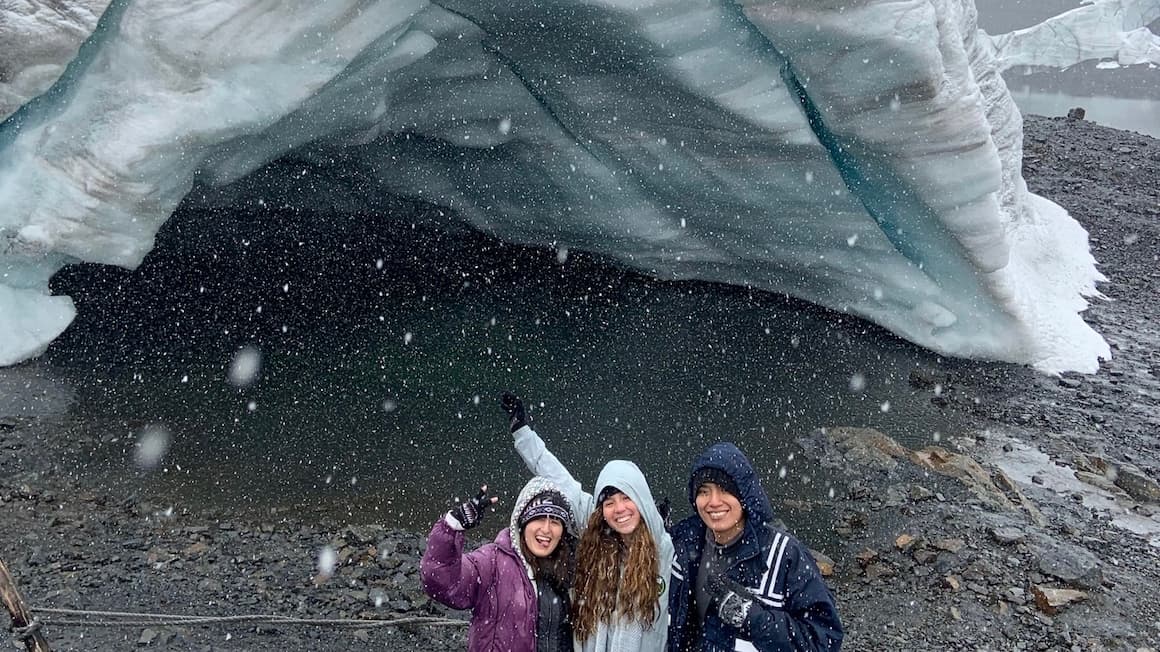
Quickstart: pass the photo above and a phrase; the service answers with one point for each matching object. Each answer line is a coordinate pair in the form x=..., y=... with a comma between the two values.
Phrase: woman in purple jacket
x=516, y=587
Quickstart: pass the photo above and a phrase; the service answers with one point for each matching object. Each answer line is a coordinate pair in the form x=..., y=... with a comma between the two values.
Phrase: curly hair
x=600, y=589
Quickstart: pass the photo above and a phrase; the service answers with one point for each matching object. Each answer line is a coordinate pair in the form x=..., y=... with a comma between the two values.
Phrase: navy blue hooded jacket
x=792, y=607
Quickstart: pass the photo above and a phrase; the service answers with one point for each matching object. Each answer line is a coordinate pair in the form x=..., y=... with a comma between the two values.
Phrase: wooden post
x=20, y=614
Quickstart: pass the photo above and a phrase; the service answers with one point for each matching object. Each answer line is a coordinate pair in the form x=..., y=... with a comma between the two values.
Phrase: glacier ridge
x=1113, y=31
x=863, y=156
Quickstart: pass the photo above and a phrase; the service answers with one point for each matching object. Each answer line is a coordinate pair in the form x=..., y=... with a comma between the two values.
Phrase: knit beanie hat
x=607, y=493
x=548, y=503
x=717, y=477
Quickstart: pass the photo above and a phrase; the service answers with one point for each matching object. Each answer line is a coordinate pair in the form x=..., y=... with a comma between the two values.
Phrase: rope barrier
x=25, y=633
x=148, y=620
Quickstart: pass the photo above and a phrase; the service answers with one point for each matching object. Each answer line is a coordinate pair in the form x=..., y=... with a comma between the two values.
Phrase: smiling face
x=721, y=511
x=620, y=513
x=542, y=535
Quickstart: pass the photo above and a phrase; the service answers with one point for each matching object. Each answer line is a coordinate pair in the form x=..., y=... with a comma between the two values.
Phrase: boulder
x=855, y=446
x=1137, y=484
x=1051, y=600
x=1067, y=562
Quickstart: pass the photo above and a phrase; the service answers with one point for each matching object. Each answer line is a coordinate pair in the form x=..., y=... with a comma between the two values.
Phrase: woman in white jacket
x=624, y=558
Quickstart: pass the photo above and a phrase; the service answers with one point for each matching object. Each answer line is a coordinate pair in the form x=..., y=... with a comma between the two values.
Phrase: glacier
x=862, y=155
x=1114, y=31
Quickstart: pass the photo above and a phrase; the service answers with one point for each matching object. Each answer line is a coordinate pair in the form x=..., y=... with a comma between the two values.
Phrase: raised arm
x=540, y=461
x=449, y=576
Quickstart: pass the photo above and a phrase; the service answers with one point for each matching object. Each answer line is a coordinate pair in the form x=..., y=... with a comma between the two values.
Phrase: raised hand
x=515, y=410
x=470, y=513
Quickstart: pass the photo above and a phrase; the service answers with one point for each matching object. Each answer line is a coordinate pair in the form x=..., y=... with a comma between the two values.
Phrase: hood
x=533, y=488
x=627, y=477
x=726, y=457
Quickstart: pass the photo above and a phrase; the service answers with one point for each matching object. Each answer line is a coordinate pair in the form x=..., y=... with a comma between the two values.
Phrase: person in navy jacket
x=738, y=581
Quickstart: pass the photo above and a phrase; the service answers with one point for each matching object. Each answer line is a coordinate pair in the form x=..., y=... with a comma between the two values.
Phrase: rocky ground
x=1036, y=530
x=1053, y=497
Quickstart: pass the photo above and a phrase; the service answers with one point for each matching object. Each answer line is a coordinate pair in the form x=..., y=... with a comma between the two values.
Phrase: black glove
x=515, y=410
x=732, y=599
x=470, y=513
x=665, y=509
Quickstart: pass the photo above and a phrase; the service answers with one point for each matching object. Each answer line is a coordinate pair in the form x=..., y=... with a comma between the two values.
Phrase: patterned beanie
x=547, y=503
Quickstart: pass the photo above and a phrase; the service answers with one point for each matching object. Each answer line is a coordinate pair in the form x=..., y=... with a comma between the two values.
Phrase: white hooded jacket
x=619, y=635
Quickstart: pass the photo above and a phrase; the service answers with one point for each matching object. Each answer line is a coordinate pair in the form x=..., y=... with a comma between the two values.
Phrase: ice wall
x=861, y=155
x=1109, y=30
x=38, y=39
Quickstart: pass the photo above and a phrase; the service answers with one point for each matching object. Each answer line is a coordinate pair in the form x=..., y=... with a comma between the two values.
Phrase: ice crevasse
x=862, y=155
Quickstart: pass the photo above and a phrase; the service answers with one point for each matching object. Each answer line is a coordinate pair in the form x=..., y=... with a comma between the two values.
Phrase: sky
x=998, y=16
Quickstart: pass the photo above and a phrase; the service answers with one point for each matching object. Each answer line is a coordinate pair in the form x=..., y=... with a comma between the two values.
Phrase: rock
x=1015, y=595
x=894, y=497
x=1076, y=113
x=1007, y=535
x=963, y=468
x=857, y=446
x=918, y=493
x=363, y=534
x=952, y=582
x=977, y=588
x=1137, y=484
x=147, y=636
x=195, y=549
x=866, y=557
x=1004, y=482
x=825, y=564
x=1095, y=480
x=947, y=561
x=877, y=570
x=925, y=556
x=904, y=541
x=1069, y=563
x=1051, y=600
x=949, y=545
x=1093, y=464
x=1070, y=383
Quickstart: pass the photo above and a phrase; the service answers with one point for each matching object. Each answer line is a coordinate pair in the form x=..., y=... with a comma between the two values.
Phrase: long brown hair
x=599, y=588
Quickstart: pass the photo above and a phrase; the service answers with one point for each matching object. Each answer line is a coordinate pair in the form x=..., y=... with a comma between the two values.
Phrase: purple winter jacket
x=493, y=581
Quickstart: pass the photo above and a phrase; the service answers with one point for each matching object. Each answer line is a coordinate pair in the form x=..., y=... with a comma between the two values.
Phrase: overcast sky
x=998, y=16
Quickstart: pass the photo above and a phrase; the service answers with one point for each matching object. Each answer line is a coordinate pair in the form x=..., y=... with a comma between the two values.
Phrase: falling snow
x=244, y=368
x=152, y=445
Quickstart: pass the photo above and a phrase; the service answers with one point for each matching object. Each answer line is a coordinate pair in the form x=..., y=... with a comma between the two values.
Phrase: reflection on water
x=1139, y=115
x=376, y=396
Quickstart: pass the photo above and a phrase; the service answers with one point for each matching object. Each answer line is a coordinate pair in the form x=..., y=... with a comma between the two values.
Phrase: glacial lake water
x=380, y=368
x=1138, y=115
